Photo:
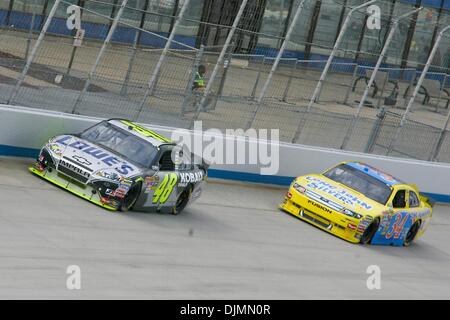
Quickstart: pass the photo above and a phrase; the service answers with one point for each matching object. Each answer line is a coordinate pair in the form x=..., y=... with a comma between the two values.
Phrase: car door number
x=165, y=188
x=397, y=227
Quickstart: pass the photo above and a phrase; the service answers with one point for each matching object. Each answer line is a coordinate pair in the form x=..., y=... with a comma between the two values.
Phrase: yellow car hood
x=329, y=190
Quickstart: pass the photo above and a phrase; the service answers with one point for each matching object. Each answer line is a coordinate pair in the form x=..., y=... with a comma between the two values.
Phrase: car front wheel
x=131, y=197
x=370, y=231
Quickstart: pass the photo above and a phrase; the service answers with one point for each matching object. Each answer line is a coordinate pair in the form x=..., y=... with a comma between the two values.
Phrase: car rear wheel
x=131, y=197
x=370, y=231
x=412, y=232
x=182, y=200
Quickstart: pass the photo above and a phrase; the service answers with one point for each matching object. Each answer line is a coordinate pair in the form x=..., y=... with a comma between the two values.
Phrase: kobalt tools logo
x=190, y=177
x=73, y=168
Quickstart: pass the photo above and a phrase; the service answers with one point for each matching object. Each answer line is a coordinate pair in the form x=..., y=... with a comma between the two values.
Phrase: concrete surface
x=232, y=244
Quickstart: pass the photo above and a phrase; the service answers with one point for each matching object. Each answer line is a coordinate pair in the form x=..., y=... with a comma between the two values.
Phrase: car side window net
x=166, y=163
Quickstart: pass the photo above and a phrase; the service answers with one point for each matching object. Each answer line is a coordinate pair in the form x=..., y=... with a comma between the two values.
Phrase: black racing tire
x=412, y=232
x=131, y=197
x=370, y=231
x=182, y=200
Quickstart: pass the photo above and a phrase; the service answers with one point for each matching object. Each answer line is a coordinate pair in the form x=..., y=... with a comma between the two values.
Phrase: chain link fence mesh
x=117, y=88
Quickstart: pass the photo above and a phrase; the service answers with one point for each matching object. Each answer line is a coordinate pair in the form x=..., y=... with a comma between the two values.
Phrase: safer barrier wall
x=23, y=131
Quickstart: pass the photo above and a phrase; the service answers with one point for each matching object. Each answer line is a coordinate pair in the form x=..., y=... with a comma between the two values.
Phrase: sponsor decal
x=125, y=182
x=110, y=160
x=121, y=191
x=109, y=192
x=151, y=182
x=364, y=224
x=146, y=132
x=383, y=175
x=55, y=148
x=384, y=224
x=190, y=177
x=81, y=160
x=74, y=168
x=351, y=226
x=319, y=206
x=338, y=193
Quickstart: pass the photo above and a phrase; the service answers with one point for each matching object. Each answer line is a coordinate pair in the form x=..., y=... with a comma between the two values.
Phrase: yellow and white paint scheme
x=346, y=213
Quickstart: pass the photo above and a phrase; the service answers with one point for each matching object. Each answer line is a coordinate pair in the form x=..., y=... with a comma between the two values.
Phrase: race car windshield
x=361, y=182
x=123, y=143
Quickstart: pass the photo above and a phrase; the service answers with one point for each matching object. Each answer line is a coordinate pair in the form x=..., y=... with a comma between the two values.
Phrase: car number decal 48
x=165, y=188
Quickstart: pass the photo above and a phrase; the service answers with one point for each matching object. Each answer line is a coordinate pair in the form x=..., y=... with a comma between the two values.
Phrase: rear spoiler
x=200, y=162
x=431, y=202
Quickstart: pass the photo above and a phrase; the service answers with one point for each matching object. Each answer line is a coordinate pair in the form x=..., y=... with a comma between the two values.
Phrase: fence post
x=219, y=62
x=188, y=93
x=352, y=83
x=137, y=38
x=100, y=54
x=33, y=53
x=375, y=130
x=374, y=73
x=410, y=85
x=154, y=77
x=333, y=52
x=318, y=88
x=276, y=62
x=226, y=66
x=258, y=76
x=288, y=85
x=124, y=89
x=440, y=93
x=30, y=34
x=417, y=88
x=437, y=148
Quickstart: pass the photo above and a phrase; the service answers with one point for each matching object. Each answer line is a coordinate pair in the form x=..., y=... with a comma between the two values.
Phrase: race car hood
x=332, y=192
x=91, y=157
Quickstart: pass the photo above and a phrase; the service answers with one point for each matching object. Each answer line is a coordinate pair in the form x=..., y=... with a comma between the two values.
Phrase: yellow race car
x=360, y=204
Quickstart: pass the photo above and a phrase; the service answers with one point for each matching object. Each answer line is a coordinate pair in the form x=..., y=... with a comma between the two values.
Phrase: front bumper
x=326, y=219
x=83, y=191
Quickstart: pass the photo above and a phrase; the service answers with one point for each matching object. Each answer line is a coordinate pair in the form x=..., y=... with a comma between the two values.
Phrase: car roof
x=154, y=138
x=375, y=173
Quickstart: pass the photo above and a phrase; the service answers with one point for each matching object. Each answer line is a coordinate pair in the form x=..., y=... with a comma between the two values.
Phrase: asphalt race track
x=232, y=244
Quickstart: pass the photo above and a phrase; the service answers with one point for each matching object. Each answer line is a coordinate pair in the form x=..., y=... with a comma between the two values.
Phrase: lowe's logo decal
x=99, y=154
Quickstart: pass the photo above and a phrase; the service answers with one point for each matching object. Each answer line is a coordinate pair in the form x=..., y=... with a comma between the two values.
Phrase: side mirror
x=155, y=167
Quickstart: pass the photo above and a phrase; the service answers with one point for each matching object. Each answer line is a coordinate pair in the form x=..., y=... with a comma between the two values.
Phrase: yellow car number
x=165, y=188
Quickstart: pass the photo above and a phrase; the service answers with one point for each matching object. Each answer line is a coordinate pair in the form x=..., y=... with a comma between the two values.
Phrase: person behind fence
x=199, y=81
